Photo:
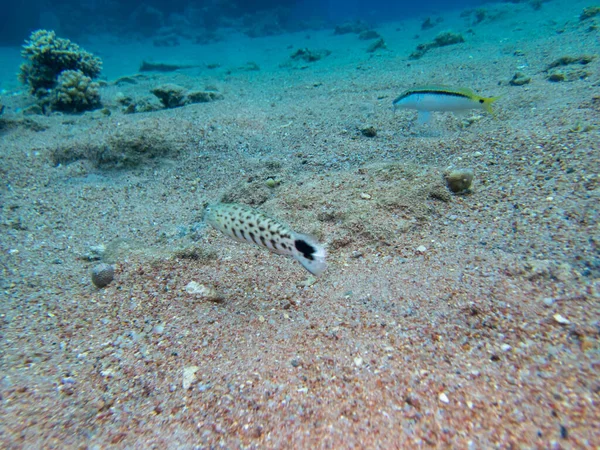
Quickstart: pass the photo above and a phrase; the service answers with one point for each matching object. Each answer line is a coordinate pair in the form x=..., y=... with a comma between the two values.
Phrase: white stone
x=189, y=376
x=560, y=319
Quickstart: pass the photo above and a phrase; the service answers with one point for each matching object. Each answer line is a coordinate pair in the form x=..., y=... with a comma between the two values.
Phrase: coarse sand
x=443, y=321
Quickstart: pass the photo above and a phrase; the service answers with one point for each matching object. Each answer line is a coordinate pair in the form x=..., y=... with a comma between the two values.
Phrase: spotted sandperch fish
x=426, y=99
x=246, y=224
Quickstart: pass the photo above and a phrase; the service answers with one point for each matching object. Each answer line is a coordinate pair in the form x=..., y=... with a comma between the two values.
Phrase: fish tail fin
x=308, y=252
x=487, y=104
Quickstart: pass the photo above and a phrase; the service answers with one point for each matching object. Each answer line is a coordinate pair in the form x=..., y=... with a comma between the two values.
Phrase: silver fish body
x=246, y=224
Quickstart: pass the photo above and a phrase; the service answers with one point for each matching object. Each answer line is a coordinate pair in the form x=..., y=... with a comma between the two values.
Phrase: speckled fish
x=246, y=224
x=426, y=99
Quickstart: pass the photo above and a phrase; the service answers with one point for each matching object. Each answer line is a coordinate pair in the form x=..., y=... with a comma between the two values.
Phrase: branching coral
x=48, y=56
x=75, y=92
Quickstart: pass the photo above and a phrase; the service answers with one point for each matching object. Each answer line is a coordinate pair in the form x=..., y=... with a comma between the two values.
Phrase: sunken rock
x=201, y=291
x=459, y=180
x=441, y=40
x=589, y=12
x=310, y=55
x=171, y=95
x=519, y=79
x=356, y=27
x=367, y=35
x=377, y=45
x=370, y=132
x=102, y=275
x=203, y=96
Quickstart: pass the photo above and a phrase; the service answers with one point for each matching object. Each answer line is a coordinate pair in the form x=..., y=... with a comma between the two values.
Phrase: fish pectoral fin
x=423, y=117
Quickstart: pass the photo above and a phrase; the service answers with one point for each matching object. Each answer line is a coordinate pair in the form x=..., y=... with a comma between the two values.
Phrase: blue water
x=74, y=19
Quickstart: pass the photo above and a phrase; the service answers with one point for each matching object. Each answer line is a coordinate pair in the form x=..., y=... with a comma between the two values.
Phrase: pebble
x=548, y=301
x=505, y=347
x=444, y=398
x=189, y=376
x=102, y=275
x=203, y=291
x=421, y=249
x=358, y=361
x=560, y=319
x=365, y=196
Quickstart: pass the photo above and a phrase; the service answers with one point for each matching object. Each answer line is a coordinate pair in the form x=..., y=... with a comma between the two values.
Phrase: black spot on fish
x=262, y=239
x=273, y=243
x=305, y=248
x=261, y=228
x=285, y=236
x=250, y=224
x=243, y=234
x=252, y=237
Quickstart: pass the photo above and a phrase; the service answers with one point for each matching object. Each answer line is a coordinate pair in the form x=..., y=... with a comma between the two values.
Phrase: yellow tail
x=487, y=103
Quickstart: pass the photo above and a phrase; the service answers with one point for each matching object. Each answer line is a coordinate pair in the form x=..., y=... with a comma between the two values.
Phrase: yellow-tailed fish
x=246, y=224
x=426, y=99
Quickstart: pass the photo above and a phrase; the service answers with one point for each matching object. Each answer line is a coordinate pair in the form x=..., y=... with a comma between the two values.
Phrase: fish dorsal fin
x=442, y=89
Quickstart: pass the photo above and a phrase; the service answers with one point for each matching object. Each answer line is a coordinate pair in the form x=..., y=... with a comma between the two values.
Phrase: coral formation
x=74, y=92
x=60, y=72
x=47, y=56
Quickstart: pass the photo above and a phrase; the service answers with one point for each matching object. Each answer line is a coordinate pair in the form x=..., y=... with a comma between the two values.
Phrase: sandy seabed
x=443, y=321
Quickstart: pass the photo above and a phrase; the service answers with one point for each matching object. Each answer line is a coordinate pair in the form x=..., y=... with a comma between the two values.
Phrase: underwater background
x=308, y=224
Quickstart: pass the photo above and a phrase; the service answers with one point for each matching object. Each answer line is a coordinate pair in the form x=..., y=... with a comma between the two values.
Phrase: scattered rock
x=421, y=249
x=459, y=180
x=250, y=66
x=356, y=27
x=519, y=79
x=428, y=23
x=203, y=292
x=548, y=301
x=568, y=60
x=171, y=95
x=369, y=132
x=441, y=40
x=203, y=96
x=589, y=12
x=444, y=398
x=310, y=55
x=560, y=319
x=189, y=376
x=367, y=35
x=102, y=275
x=148, y=66
x=377, y=45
